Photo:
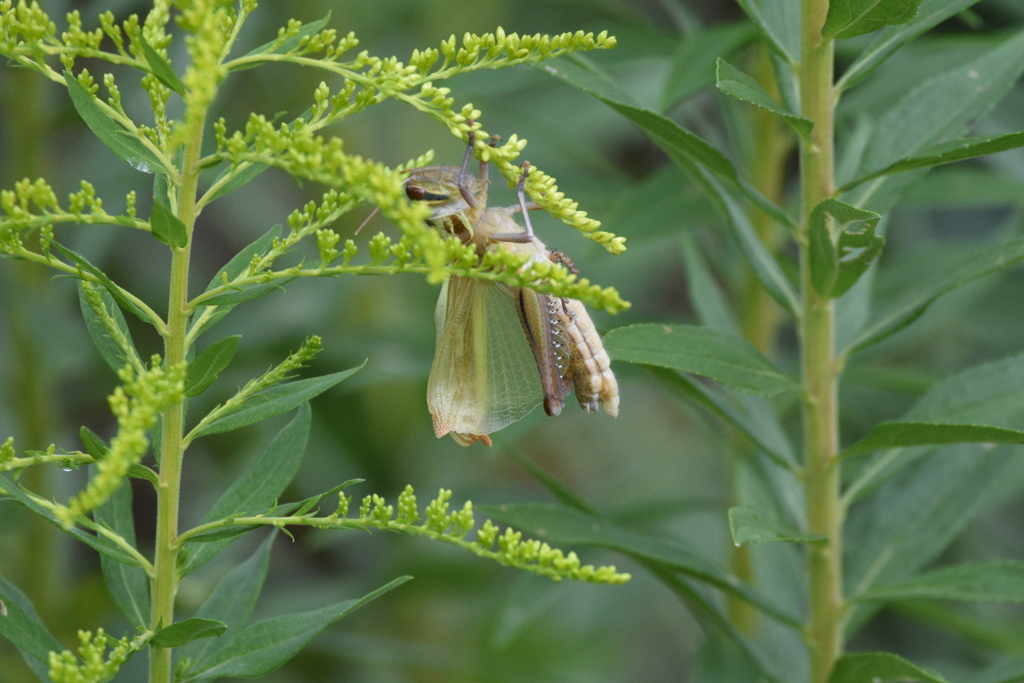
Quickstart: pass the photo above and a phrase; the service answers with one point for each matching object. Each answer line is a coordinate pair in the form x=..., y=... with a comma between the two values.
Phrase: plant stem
x=165, y=585
x=819, y=366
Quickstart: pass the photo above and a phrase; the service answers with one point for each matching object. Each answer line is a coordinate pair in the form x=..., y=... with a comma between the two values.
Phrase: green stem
x=165, y=583
x=818, y=360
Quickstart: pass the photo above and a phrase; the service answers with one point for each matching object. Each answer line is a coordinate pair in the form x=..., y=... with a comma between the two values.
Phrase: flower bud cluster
x=136, y=404
x=23, y=27
x=441, y=524
x=96, y=665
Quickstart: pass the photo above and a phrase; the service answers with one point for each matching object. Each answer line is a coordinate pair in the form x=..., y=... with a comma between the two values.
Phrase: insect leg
x=524, y=237
x=535, y=313
x=463, y=187
x=558, y=257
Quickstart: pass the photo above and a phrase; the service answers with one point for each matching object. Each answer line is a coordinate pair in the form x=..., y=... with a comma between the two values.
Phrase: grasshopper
x=484, y=377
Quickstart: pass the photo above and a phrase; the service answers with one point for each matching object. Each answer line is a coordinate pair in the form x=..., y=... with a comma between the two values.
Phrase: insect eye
x=414, y=193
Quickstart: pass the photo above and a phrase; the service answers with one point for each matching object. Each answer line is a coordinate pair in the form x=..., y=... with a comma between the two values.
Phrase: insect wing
x=484, y=376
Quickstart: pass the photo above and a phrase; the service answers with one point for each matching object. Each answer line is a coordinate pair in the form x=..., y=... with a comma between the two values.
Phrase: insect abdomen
x=589, y=364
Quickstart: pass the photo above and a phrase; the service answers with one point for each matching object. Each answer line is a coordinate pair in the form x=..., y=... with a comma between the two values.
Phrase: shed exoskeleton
x=490, y=370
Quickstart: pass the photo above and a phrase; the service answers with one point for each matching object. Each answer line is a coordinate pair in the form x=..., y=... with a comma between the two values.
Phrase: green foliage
x=151, y=407
x=780, y=488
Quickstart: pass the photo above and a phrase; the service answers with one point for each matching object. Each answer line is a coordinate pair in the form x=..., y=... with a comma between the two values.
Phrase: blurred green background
x=659, y=467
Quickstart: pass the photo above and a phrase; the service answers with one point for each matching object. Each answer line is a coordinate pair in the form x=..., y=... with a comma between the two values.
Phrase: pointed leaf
x=999, y=581
x=706, y=296
x=750, y=526
x=161, y=68
x=936, y=110
x=126, y=146
x=289, y=44
x=700, y=350
x=296, y=509
x=779, y=451
x=693, y=66
x=233, y=600
x=239, y=179
x=903, y=434
x=779, y=22
x=931, y=13
x=129, y=586
x=947, y=152
x=833, y=269
x=204, y=369
x=880, y=667
x=989, y=260
x=20, y=624
x=276, y=400
x=852, y=18
x=183, y=632
x=268, y=644
x=110, y=350
x=564, y=526
x=260, y=485
x=235, y=267
x=739, y=85
x=116, y=292
x=914, y=517
x=761, y=261
x=246, y=293
x=686, y=149
x=98, y=543
x=166, y=227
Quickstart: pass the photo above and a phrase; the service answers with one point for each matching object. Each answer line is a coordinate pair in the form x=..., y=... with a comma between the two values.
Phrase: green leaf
x=20, y=624
x=891, y=38
x=161, y=68
x=98, y=543
x=274, y=401
x=128, y=585
x=166, y=227
x=777, y=449
x=936, y=110
x=902, y=434
x=235, y=267
x=564, y=526
x=109, y=349
x=559, y=490
x=289, y=44
x=750, y=526
x=121, y=142
x=204, y=369
x=233, y=601
x=183, y=632
x=297, y=508
x=837, y=263
x=852, y=18
x=268, y=644
x=1004, y=672
x=914, y=517
x=239, y=179
x=998, y=581
x=116, y=292
x=693, y=66
x=947, y=152
x=261, y=484
x=706, y=297
x=693, y=154
x=246, y=293
x=989, y=260
x=739, y=85
x=992, y=392
x=711, y=618
x=779, y=22
x=699, y=350
x=879, y=667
